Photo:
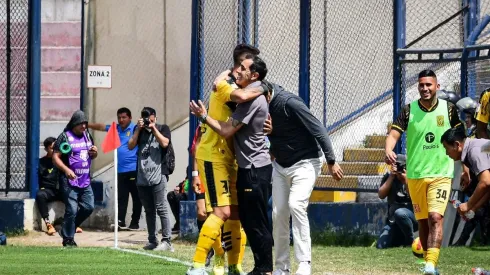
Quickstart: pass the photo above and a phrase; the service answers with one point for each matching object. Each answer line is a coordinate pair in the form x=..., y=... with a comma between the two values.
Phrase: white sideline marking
x=169, y=259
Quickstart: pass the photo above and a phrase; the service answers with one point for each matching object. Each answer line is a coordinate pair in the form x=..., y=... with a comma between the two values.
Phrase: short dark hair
x=454, y=134
x=241, y=49
x=427, y=73
x=124, y=110
x=48, y=141
x=149, y=110
x=259, y=66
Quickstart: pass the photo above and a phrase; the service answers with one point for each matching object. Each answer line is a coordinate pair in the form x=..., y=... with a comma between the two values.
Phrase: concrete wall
x=148, y=46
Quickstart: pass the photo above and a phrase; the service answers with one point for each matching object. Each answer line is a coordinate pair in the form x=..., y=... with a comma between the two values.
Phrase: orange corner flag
x=111, y=140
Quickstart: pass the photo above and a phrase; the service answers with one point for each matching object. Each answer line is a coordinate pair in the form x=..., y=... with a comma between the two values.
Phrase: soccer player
x=483, y=115
x=429, y=170
x=217, y=171
x=255, y=170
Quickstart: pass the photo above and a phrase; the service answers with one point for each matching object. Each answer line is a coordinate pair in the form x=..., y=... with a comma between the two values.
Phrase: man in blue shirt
x=126, y=168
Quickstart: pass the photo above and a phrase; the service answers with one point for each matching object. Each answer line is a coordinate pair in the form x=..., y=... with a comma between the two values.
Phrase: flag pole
x=116, y=212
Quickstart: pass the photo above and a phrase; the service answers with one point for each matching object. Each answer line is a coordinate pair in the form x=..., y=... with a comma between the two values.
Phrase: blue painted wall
x=365, y=217
x=11, y=214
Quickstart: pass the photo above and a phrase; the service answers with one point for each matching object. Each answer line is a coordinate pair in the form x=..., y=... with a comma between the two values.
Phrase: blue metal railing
x=34, y=96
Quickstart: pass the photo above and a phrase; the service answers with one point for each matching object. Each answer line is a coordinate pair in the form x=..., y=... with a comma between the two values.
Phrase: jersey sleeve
x=483, y=113
x=223, y=91
x=401, y=122
x=454, y=120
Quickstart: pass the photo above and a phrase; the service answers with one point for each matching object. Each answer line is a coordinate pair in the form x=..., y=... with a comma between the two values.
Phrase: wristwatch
x=195, y=173
x=330, y=162
x=203, y=118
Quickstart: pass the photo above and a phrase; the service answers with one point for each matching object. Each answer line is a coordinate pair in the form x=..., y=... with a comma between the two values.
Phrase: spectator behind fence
x=126, y=169
x=153, y=142
x=174, y=198
x=49, y=187
x=400, y=223
x=73, y=153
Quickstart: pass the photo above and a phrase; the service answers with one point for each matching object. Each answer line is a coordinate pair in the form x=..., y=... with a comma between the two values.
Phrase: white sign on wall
x=99, y=77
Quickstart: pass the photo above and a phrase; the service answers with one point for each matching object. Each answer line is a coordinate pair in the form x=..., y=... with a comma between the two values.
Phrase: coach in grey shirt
x=152, y=140
x=469, y=151
x=254, y=165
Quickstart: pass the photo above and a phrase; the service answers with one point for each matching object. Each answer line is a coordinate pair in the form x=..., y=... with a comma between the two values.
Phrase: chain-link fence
x=13, y=93
x=350, y=89
x=349, y=57
x=278, y=41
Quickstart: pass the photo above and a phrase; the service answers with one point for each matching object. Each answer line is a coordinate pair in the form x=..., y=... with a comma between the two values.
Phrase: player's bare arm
x=225, y=129
x=391, y=140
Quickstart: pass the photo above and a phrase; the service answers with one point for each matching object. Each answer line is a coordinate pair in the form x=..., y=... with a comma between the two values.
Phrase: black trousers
x=126, y=184
x=45, y=196
x=174, y=200
x=253, y=195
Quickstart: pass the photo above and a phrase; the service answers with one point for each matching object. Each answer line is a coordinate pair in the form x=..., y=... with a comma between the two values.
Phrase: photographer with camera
x=400, y=223
x=154, y=150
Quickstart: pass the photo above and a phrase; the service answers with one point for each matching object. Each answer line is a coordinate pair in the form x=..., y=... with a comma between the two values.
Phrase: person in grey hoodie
x=73, y=153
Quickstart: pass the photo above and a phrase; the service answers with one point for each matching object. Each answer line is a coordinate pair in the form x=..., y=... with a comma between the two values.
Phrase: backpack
x=170, y=158
x=3, y=238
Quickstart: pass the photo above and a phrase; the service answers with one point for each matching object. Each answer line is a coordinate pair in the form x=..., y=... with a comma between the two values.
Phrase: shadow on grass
x=342, y=237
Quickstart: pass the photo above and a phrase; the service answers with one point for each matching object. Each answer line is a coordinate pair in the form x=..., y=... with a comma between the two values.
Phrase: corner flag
x=111, y=140
x=111, y=143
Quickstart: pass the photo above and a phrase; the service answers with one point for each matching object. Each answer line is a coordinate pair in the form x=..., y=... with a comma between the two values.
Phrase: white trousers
x=291, y=191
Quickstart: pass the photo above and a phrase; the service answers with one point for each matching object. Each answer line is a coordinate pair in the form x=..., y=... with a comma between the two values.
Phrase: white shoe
x=165, y=246
x=304, y=268
x=281, y=272
x=196, y=271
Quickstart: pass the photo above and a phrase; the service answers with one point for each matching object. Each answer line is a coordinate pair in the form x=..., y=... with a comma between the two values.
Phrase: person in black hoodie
x=48, y=184
x=73, y=153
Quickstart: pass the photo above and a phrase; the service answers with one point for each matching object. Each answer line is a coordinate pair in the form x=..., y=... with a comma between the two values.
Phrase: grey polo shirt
x=473, y=157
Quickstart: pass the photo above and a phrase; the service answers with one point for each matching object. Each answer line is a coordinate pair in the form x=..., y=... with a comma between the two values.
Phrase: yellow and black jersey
x=483, y=112
x=401, y=123
x=213, y=147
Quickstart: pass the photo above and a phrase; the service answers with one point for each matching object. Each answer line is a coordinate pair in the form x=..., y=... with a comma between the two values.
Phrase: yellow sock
x=433, y=255
x=425, y=255
x=232, y=236
x=243, y=243
x=210, y=231
x=217, y=247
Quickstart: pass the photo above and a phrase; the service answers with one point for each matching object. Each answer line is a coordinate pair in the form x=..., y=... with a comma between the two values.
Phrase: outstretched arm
x=225, y=129
x=298, y=110
x=97, y=127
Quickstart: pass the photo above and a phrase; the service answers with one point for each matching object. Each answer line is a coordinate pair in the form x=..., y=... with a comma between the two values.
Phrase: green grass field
x=326, y=260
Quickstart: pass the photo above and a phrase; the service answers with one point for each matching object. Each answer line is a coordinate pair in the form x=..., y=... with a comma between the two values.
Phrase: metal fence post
x=34, y=97
x=82, y=59
x=470, y=26
x=194, y=82
x=398, y=43
x=304, y=51
x=256, y=23
x=246, y=20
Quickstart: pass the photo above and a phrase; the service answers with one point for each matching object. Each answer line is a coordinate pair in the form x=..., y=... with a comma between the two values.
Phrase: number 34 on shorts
x=429, y=195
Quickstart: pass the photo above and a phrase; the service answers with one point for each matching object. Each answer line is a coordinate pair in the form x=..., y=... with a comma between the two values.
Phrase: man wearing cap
x=400, y=223
x=153, y=141
x=73, y=153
